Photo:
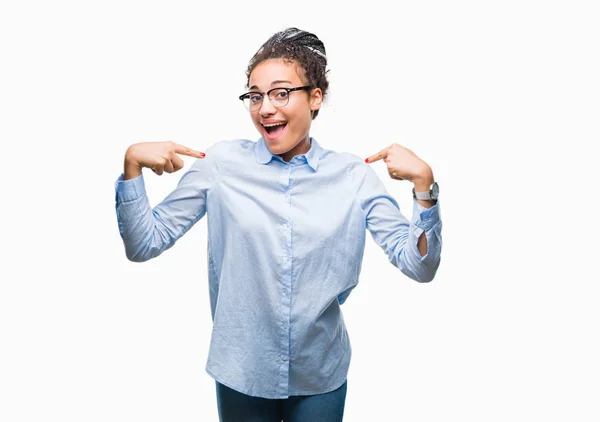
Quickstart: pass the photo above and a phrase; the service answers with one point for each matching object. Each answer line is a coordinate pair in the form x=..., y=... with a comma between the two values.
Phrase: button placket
x=286, y=276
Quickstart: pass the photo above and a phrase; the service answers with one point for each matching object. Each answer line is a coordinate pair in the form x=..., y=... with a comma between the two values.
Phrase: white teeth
x=274, y=124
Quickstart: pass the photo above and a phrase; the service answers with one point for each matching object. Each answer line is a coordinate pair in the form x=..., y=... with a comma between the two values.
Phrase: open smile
x=274, y=130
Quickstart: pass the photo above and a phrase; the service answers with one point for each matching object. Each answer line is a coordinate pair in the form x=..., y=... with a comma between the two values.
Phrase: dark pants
x=238, y=407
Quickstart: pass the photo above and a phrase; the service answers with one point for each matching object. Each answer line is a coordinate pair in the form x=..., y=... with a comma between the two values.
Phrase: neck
x=301, y=148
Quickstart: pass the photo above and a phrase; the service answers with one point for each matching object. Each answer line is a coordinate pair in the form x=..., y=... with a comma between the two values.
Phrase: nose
x=266, y=108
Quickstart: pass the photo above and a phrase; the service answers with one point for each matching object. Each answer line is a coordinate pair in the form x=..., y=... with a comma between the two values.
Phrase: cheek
x=301, y=118
x=255, y=119
x=303, y=123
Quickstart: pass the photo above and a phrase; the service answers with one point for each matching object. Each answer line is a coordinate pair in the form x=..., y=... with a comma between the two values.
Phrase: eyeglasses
x=279, y=97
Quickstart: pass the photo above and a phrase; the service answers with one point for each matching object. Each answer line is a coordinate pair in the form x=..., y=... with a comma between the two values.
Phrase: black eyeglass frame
x=268, y=93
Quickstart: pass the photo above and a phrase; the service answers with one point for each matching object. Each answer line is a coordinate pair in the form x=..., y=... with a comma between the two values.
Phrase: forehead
x=272, y=70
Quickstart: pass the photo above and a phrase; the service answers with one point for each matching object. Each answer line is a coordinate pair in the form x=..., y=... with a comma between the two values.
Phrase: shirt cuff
x=129, y=190
x=426, y=218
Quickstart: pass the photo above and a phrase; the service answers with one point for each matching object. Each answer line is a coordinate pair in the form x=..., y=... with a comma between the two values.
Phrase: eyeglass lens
x=278, y=97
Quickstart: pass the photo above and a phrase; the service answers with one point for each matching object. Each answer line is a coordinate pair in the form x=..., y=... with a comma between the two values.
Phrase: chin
x=278, y=149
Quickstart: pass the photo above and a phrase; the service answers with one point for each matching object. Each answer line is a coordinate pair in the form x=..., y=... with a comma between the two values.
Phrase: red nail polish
x=366, y=160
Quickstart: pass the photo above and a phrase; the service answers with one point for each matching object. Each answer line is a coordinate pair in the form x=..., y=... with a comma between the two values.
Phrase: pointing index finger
x=180, y=149
x=376, y=157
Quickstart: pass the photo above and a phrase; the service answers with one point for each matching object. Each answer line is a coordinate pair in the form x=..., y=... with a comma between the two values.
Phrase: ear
x=316, y=98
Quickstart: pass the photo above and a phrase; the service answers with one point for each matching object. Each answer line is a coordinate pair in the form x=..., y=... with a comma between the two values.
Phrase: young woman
x=286, y=225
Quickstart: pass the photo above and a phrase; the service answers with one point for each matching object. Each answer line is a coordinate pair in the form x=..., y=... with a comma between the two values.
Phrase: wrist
x=425, y=191
x=131, y=172
x=132, y=168
x=423, y=184
x=423, y=180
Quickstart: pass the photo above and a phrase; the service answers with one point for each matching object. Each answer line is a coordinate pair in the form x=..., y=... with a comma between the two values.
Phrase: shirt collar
x=264, y=156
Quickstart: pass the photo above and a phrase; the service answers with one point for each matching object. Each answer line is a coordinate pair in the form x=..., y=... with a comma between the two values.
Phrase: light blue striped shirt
x=285, y=248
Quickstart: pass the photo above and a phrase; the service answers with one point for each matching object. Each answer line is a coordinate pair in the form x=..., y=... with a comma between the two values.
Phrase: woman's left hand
x=403, y=164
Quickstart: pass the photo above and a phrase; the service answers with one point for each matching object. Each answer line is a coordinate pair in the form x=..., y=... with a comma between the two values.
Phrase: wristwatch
x=433, y=193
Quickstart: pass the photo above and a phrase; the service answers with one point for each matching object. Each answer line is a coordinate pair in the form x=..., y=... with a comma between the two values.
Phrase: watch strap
x=431, y=194
x=424, y=196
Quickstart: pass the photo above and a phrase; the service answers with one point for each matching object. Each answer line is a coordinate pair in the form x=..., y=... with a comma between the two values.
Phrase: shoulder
x=223, y=150
x=354, y=165
x=357, y=172
x=344, y=159
x=228, y=145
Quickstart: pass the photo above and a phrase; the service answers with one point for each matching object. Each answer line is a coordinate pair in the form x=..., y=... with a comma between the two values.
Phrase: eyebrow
x=273, y=83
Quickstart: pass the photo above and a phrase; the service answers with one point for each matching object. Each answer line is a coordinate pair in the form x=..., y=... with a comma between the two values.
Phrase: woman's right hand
x=157, y=156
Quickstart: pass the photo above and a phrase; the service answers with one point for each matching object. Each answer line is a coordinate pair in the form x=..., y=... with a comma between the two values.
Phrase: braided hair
x=300, y=47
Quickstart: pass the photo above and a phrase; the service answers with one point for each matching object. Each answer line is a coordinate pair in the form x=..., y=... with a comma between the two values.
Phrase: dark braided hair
x=300, y=47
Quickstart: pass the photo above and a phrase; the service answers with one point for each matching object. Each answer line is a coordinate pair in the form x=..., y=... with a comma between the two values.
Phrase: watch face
x=434, y=190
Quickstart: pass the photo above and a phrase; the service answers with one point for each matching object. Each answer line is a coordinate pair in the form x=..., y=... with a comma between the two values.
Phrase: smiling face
x=290, y=137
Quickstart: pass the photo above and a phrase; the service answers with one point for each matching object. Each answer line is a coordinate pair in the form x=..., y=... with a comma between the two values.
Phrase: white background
x=500, y=98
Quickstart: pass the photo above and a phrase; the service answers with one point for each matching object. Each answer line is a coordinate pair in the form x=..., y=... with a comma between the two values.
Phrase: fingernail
x=202, y=155
x=366, y=160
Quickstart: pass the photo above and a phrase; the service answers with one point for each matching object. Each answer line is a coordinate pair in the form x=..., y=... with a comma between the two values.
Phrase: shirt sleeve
x=148, y=232
x=393, y=232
